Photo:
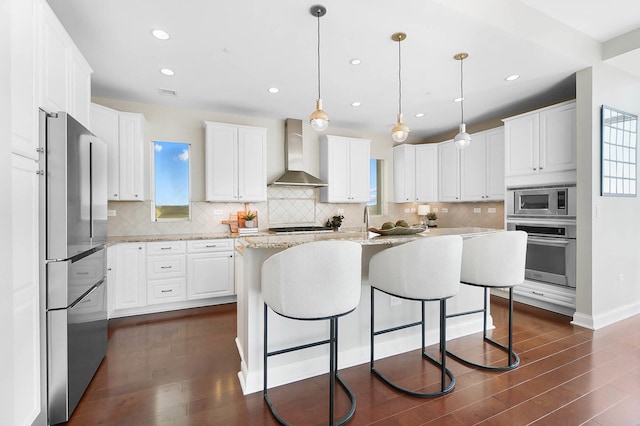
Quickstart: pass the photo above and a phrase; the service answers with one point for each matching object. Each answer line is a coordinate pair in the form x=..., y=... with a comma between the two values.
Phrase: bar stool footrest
x=513, y=356
x=338, y=422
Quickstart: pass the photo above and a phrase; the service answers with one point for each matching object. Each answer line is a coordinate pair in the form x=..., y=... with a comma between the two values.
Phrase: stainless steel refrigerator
x=73, y=200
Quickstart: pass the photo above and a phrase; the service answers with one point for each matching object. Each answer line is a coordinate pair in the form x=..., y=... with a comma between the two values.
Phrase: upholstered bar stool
x=422, y=270
x=495, y=260
x=314, y=281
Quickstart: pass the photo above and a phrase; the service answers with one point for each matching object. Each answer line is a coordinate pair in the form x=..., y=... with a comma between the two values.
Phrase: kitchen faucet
x=366, y=218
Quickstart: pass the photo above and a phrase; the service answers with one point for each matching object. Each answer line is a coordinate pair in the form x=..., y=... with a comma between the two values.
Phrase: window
x=375, y=187
x=171, y=181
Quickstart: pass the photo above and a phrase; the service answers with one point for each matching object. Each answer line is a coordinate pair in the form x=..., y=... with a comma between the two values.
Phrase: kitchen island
x=354, y=328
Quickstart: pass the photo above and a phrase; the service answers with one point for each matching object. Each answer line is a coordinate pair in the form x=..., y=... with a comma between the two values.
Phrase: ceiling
x=226, y=55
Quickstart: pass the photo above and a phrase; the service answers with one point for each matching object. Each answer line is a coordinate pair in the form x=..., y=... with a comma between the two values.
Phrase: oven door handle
x=555, y=242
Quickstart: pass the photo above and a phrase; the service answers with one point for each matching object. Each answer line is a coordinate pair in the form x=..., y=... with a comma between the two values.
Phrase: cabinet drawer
x=200, y=246
x=166, y=247
x=165, y=291
x=166, y=267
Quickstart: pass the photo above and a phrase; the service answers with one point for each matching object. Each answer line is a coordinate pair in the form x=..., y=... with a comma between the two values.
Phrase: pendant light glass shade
x=462, y=139
x=399, y=132
x=319, y=119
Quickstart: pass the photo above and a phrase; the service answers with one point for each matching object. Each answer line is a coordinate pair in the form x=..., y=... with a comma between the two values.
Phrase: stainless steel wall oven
x=551, y=251
x=548, y=215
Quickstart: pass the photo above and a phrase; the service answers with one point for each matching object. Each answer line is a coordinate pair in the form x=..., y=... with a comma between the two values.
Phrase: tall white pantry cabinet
x=46, y=70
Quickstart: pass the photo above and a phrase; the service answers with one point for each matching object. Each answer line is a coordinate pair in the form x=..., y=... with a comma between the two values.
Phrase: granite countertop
x=167, y=237
x=265, y=239
x=362, y=237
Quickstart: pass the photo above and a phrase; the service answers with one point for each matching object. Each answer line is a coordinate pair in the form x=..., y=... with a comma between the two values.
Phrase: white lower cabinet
x=131, y=276
x=210, y=268
x=160, y=276
x=166, y=272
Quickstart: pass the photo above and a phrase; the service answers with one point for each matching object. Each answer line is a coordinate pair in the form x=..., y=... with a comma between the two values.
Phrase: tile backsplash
x=289, y=206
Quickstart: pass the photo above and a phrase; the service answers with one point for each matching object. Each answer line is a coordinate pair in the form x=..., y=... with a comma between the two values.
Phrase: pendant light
x=399, y=132
x=462, y=139
x=319, y=119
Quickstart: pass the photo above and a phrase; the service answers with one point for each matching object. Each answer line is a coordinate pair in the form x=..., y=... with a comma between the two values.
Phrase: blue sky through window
x=171, y=160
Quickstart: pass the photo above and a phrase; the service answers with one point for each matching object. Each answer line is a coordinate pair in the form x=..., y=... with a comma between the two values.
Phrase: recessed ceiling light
x=420, y=114
x=512, y=77
x=168, y=92
x=355, y=104
x=166, y=71
x=160, y=34
x=355, y=61
x=273, y=90
x=458, y=99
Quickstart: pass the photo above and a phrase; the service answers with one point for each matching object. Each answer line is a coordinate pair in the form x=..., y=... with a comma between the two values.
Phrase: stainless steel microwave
x=542, y=201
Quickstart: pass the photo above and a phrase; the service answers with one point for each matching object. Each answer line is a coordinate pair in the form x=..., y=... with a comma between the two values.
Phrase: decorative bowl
x=398, y=230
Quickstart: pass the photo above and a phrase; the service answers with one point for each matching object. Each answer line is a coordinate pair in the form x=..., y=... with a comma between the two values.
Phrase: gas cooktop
x=299, y=229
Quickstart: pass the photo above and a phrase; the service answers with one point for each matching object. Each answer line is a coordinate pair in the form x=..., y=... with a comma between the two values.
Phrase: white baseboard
x=607, y=318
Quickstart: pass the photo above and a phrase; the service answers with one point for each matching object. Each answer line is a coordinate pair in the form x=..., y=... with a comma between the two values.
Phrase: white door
x=558, y=139
x=495, y=164
x=131, y=136
x=252, y=164
x=359, y=173
x=104, y=124
x=221, y=159
x=448, y=172
x=522, y=137
x=131, y=275
x=426, y=173
x=404, y=173
x=209, y=275
x=473, y=172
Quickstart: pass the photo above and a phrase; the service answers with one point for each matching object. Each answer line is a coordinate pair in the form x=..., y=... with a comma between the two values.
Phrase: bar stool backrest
x=495, y=260
x=424, y=269
x=314, y=280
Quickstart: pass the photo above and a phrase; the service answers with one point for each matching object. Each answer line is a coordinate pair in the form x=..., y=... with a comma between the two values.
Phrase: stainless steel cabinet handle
x=82, y=273
x=165, y=248
x=166, y=291
x=537, y=293
x=166, y=267
x=211, y=245
x=115, y=195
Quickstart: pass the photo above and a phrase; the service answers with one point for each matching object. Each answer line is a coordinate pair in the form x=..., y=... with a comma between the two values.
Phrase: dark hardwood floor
x=180, y=368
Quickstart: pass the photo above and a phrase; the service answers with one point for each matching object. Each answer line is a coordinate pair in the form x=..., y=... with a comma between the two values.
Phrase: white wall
x=608, y=227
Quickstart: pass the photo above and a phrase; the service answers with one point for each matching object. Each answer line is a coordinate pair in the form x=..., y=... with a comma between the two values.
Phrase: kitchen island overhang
x=353, y=328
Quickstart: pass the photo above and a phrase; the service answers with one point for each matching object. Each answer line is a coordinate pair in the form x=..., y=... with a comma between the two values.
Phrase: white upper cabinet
x=344, y=165
x=448, y=171
x=123, y=132
x=65, y=76
x=131, y=153
x=542, y=141
x=415, y=173
x=475, y=173
x=235, y=162
x=482, y=167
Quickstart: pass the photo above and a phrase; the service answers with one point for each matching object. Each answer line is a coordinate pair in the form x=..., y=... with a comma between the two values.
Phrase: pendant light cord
x=318, y=14
x=461, y=93
x=399, y=78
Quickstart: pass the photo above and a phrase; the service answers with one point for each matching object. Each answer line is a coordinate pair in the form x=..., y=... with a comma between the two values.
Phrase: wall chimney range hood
x=293, y=174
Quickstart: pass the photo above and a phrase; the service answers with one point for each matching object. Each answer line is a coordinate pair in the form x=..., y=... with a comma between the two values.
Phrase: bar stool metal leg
x=513, y=360
x=333, y=372
x=444, y=371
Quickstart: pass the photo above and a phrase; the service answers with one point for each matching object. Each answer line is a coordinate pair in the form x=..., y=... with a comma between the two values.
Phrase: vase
x=432, y=222
x=248, y=223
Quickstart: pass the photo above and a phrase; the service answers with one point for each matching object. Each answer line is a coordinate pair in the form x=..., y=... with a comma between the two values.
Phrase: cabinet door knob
x=40, y=172
x=534, y=169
